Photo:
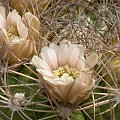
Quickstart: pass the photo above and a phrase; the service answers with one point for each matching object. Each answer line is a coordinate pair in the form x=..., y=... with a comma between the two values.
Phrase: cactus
x=92, y=24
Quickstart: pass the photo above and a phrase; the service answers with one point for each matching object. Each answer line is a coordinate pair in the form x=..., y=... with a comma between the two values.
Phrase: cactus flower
x=18, y=35
x=67, y=74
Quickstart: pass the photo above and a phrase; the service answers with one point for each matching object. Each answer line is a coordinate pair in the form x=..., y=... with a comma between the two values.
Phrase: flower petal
x=81, y=63
x=92, y=60
x=66, y=79
x=27, y=49
x=16, y=46
x=63, y=54
x=53, y=58
x=83, y=79
x=70, y=49
x=46, y=74
x=2, y=22
x=39, y=63
x=22, y=30
x=2, y=11
x=55, y=48
x=13, y=18
x=74, y=56
x=31, y=21
x=45, y=54
x=13, y=55
x=3, y=35
x=62, y=91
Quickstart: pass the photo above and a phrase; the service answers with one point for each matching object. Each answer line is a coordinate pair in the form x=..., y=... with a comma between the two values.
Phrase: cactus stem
x=52, y=116
x=18, y=73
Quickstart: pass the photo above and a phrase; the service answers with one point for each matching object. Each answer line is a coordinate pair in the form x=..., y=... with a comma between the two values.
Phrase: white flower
x=16, y=101
x=16, y=35
x=66, y=72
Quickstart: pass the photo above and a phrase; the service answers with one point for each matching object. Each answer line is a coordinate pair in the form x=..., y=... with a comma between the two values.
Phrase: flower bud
x=16, y=101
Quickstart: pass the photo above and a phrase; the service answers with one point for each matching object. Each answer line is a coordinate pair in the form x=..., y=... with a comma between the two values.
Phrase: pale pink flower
x=15, y=35
x=67, y=74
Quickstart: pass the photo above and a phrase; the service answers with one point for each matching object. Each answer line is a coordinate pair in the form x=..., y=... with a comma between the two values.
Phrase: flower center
x=66, y=69
x=12, y=32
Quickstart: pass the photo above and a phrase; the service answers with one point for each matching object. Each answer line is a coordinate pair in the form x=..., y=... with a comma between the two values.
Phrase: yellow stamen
x=12, y=32
x=66, y=69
